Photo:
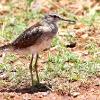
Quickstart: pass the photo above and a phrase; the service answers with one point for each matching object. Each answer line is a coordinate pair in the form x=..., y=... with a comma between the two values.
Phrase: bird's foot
x=42, y=87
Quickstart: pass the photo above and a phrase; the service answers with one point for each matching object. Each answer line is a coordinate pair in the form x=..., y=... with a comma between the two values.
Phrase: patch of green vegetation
x=67, y=64
x=91, y=18
x=16, y=73
x=55, y=42
x=30, y=1
x=91, y=47
x=9, y=58
x=15, y=24
x=59, y=64
x=19, y=76
x=4, y=66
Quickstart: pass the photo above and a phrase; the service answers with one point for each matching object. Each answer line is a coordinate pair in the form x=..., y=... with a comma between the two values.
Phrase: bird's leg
x=35, y=66
x=30, y=68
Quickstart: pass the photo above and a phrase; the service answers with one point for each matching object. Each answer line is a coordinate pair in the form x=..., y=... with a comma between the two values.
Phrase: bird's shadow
x=30, y=89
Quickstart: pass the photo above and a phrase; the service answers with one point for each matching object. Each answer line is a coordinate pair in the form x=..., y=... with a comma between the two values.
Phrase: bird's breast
x=41, y=45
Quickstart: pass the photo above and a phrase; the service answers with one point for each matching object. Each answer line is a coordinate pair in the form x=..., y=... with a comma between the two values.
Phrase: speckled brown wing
x=28, y=37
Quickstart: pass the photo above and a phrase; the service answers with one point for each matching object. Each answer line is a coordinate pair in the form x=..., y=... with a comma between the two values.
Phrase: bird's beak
x=68, y=20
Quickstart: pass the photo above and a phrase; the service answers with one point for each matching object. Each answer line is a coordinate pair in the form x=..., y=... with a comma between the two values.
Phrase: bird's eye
x=55, y=16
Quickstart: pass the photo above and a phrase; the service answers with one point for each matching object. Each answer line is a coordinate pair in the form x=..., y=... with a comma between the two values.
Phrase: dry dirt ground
x=87, y=91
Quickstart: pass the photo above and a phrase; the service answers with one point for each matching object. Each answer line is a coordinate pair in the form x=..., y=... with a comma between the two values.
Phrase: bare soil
x=84, y=91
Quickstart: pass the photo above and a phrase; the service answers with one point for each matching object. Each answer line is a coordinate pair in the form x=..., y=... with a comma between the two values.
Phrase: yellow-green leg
x=30, y=68
x=35, y=66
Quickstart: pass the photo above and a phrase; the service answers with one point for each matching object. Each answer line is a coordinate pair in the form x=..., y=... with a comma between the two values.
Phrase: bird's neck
x=51, y=25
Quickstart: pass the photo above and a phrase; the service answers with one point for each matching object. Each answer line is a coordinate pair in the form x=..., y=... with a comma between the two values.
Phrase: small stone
x=84, y=36
x=26, y=97
x=46, y=93
x=12, y=95
x=75, y=94
x=4, y=76
x=97, y=84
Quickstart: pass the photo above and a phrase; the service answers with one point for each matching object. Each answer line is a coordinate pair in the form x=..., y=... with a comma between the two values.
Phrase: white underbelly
x=41, y=46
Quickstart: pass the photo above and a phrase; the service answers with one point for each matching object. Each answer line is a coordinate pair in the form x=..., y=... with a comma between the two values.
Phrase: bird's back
x=28, y=37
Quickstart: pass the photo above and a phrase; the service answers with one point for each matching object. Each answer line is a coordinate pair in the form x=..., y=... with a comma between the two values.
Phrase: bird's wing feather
x=28, y=37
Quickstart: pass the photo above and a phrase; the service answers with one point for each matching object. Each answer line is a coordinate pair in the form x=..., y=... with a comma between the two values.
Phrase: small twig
x=49, y=88
x=97, y=53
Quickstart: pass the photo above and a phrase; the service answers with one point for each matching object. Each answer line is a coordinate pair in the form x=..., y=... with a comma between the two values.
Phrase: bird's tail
x=7, y=46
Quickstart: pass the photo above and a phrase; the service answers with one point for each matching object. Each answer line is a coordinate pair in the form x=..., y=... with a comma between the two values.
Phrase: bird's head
x=55, y=18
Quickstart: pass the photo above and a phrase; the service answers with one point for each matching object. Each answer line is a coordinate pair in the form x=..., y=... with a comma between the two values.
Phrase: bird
x=37, y=38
